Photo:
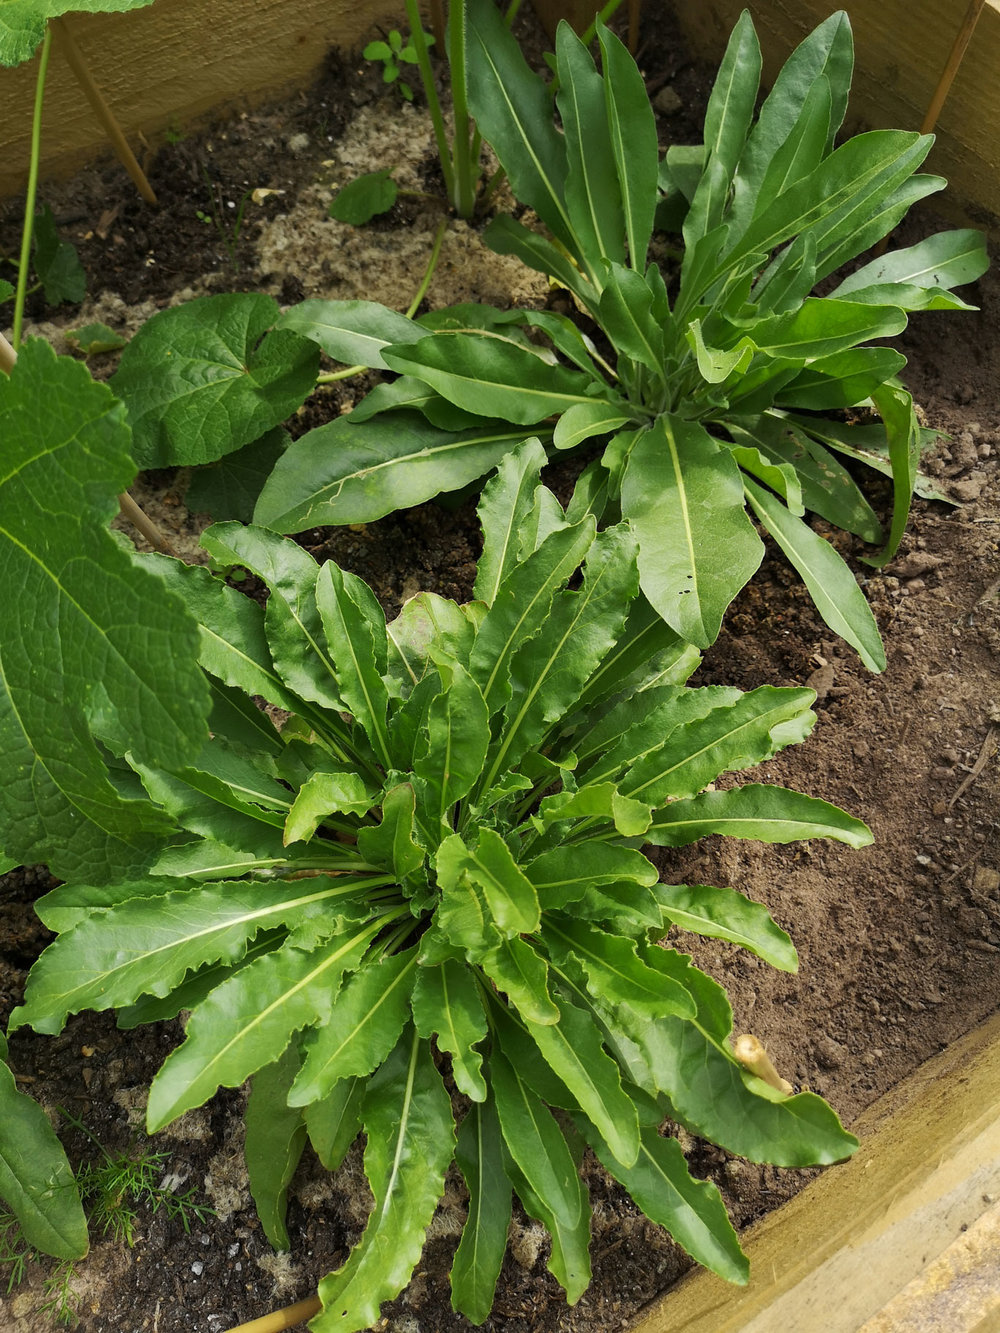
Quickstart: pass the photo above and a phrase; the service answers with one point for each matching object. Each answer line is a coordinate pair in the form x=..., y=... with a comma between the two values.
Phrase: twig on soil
x=987, y=751
x=751, y=1053
x=279, y=1320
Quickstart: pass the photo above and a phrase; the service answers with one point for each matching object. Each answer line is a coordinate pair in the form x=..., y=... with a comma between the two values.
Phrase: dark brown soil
x=899, y=944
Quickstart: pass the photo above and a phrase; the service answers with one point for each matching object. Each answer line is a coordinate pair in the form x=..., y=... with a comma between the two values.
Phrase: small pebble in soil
x=197, y=1268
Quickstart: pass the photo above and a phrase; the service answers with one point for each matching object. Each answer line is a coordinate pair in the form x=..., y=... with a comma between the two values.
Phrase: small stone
x=986, y=879
x=667, y=101
x=197, y=1268
x=916, y=564
x=829, y=1053
x=298, y=143
x=923, y=860
x=968, y=490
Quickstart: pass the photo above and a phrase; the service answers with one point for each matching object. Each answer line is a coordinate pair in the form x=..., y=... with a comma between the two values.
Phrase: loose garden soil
x=899, y=943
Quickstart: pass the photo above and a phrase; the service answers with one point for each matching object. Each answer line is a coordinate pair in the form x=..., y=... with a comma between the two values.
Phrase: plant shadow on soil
x=898, y=943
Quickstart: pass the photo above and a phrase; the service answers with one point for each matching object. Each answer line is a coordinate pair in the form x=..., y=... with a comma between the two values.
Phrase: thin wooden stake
x=279, y=1320
x=751, y=1053
x=103, y=112
x=951, y=68
x=958, y=50
x=141, y=521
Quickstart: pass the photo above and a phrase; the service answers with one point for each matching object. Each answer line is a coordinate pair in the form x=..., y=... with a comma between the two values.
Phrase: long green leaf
x=633, y=142
x=275, y=1137
x=513, y=112
x=691, y=1210
x=247, y=1022
x=354, y=625
x=352, y=332
x=411, y=1139
x=697, y=548
x=148, y=946
x=446, y=1004
x=480, y=1252
x=724, y=914
x=592, y=200
x=555, y=1194
x=347, y=473
x=735, y=736
x=503, y=508
x=831, y=584
x=766, y=814
x=365, y=1024
x=711, y=1094
x=36, y=1180
x=572, y=1048
x=490, y=376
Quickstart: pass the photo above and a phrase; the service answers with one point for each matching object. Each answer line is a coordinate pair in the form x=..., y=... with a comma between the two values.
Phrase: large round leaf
x=205, y=378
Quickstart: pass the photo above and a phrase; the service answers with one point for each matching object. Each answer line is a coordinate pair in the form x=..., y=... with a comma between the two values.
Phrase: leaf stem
x=430, y=91
x=421, y=292
x=28, y=228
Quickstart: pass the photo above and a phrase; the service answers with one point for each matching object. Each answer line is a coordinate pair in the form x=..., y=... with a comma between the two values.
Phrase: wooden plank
x=171, y=63
x=897, y=1223
x=900, y=48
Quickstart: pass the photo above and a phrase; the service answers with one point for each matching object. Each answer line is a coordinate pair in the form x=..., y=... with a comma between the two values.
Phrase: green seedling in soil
x=394, y=54
x=227, y=229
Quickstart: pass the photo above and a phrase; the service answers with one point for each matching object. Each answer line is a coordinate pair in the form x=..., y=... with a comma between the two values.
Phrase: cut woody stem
x=129, y=509
x=751, y=1054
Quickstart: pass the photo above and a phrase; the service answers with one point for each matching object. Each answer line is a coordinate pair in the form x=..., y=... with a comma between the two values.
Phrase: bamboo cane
x=104, y=114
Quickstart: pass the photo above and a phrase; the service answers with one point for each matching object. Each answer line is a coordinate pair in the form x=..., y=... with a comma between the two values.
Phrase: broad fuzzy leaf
x=22, y=23
x=88, y=637
x=203, y=379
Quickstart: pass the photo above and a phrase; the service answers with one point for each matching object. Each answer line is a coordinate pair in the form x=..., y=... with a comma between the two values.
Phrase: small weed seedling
x=114, y=1188
x=394, y=54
